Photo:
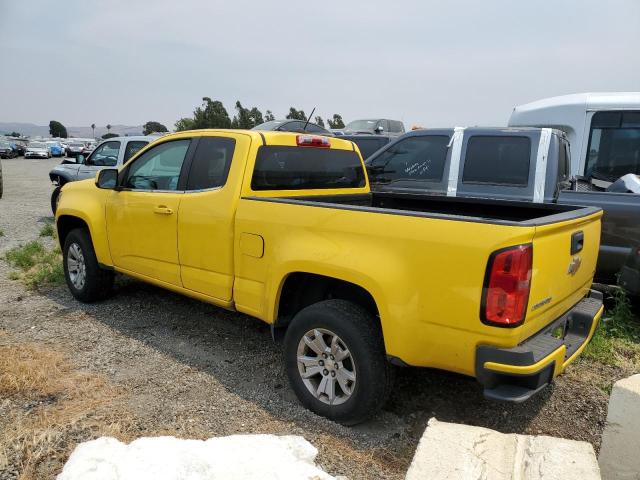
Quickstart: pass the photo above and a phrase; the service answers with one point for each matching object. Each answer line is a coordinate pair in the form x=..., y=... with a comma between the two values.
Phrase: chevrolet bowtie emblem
x=574, y=265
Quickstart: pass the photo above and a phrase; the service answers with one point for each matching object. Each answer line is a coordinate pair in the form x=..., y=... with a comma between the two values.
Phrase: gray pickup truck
x=520, y=164
x=113, y=152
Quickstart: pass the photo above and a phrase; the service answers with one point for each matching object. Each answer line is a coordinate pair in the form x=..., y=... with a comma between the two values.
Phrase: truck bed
x=454, y=208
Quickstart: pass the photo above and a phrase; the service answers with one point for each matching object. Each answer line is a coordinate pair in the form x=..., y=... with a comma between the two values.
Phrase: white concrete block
x=449, y=451
x=620, y=450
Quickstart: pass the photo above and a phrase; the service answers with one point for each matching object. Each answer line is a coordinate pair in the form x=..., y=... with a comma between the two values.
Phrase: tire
x=98, y=282
x=55, y=196
x=359, y=333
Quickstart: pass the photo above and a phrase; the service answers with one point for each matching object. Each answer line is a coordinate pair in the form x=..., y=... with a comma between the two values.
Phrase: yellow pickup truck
x=284, y=227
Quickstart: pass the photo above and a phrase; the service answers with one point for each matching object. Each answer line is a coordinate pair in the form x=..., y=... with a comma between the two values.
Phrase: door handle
x=162, y=210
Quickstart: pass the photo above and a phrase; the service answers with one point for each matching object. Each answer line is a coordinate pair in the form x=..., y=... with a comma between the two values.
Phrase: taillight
x=506, y=286
x=312, y=141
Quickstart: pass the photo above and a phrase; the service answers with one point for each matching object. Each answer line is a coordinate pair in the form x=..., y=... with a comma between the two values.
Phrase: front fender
x=84, y=201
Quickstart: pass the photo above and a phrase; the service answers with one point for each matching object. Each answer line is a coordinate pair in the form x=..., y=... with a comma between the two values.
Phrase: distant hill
x=32, y=130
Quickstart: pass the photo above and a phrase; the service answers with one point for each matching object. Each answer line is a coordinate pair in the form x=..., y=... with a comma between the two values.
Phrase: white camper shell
x=603, y=129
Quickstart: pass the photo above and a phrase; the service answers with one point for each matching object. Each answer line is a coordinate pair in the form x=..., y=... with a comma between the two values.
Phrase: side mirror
x=379, y=129
x=107, y=178
x=80, y=159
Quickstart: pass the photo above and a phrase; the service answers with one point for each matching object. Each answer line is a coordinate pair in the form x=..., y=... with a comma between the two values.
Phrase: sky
x=430, y=63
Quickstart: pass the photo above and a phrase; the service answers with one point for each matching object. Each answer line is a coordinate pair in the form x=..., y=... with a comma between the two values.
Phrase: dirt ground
x=165, y=364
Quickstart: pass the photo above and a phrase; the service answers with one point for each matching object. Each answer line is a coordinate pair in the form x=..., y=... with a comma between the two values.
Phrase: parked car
x=20, y=145
x=76, y=148
x=529, y=164
x=284, y=227
x=7, y=150
x=368, y=144
x=37, y=150
x=113, y=152
x=293, y=126
x=376, y=126
x=56, y=149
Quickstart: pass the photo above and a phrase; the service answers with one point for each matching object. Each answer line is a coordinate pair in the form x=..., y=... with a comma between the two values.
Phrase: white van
x=603, y=130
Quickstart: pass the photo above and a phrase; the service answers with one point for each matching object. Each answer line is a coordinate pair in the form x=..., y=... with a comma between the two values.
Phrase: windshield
x=4, y=145
x=76, y=145
x=614, y=145
x=361, y=125
x=37, y=145
x=272, y=125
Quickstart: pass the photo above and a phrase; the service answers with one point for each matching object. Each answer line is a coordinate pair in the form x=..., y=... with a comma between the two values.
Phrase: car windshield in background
x=361, y=126
x=4, y=145
x=273, y=124
x=294, y=168
x=77, y=145
x=420, y=158
x=614, y=145
x=37, y=145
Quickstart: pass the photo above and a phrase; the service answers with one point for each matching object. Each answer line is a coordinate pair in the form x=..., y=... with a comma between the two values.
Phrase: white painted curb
x=620, y=449
x=449, y=451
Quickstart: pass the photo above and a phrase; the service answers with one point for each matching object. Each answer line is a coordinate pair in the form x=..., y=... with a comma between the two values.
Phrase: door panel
x=142, y=218
x=142, y=228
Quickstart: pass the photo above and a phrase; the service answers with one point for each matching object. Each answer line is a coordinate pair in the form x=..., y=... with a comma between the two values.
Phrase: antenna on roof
x=308, y=118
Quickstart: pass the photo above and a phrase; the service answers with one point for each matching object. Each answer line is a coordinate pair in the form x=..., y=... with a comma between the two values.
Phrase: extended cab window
x=133, y=147
x=614, y=145
x=211, y=163
x=158, y=168
x=106, y=155
x=413, y=158
x=298, y=168
x=497, y=160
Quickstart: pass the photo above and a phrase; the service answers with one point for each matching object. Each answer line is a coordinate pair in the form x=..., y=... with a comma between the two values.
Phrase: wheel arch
x=300, y=289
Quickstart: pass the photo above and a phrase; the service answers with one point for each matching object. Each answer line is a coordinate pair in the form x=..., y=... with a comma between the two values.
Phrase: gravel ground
x=195, y=370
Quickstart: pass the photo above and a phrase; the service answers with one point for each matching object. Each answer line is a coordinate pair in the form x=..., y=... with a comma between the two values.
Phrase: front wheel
x=55, y=198
x=335, y=361
x=85, y=279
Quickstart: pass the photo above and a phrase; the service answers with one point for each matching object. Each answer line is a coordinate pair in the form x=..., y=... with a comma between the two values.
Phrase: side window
x=315, y=128
x=497, y=160
x=158, y=168
x=133, y=147
x=614, y=145
x=413, y=158
x=211, y=163
x=563, y=162
x=106, y=155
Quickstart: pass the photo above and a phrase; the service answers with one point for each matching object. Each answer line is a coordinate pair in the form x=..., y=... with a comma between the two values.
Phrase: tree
x=184, y=124
x=93, y=130
x=56, y=129
x=296, y=114
x=242, y=118
x=108, y=129
x=336, y=122
x=256, y=116
x=14, y=134
x=268, y=116
x=153, y=127
x=319, y=121
x=211, y=114
x=109, y=135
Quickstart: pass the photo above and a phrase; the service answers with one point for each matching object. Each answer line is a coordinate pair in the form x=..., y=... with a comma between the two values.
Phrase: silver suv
x=111, y=153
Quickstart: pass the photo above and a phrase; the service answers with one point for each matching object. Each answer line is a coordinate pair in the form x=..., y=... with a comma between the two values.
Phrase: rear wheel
x=85, y=279
x=335, y=361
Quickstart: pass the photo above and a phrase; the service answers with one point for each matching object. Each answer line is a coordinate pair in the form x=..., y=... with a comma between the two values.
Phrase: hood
x=36, y=149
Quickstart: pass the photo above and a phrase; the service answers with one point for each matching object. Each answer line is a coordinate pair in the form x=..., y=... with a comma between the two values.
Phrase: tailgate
x=564, y=262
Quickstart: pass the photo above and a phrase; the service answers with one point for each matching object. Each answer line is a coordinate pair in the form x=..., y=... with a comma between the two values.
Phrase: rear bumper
x=515, y=374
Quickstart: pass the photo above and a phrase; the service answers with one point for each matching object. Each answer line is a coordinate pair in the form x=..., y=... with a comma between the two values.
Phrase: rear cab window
x=306, y=168
x=497, y=160
x=133, y=147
